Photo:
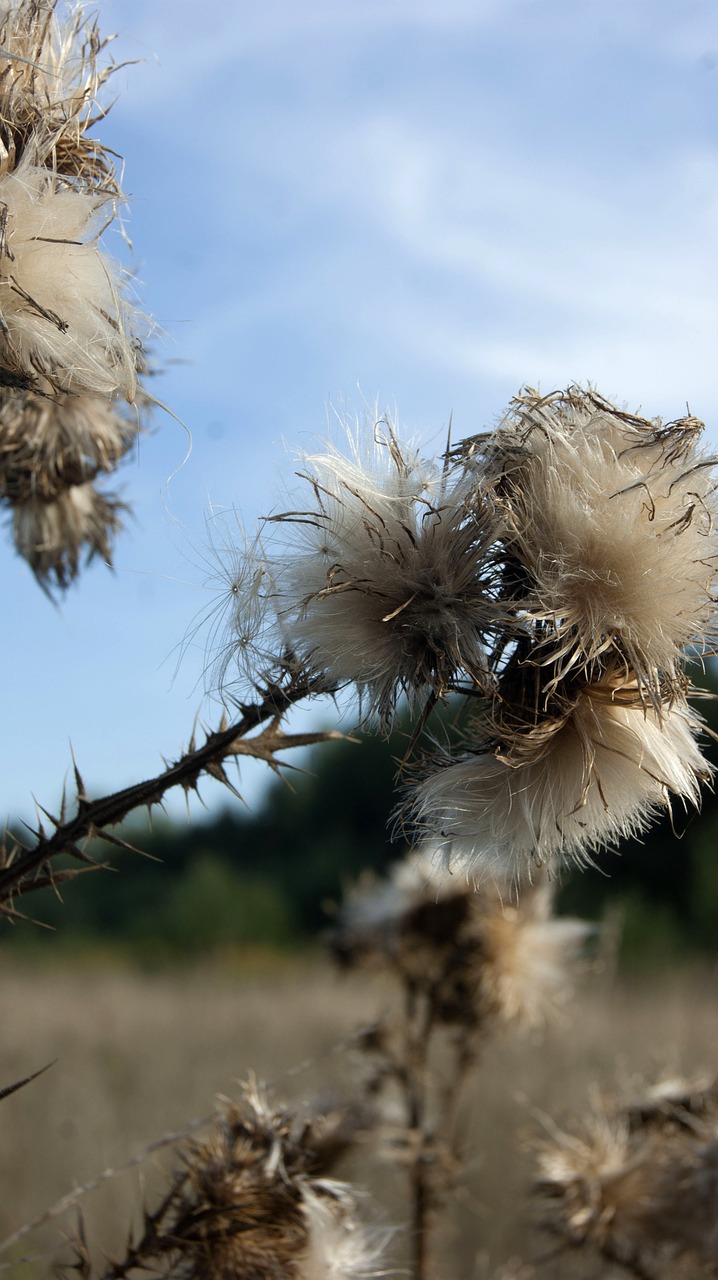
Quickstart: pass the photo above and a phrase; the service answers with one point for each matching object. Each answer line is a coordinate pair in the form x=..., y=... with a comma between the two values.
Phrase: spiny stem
x=93, y=817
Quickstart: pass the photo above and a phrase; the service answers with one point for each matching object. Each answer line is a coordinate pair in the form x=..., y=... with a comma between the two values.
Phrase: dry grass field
x=140, y=1053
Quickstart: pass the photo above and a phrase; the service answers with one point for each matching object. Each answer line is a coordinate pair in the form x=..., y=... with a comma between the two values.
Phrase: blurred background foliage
x=270, y=877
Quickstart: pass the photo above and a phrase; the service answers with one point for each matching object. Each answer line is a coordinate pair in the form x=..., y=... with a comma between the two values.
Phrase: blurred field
x=140, y=1053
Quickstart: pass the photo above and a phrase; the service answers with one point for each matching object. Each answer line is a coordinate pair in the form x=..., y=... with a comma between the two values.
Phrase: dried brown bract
x=54, y=537
x=253, y=1202
x=639, y=1183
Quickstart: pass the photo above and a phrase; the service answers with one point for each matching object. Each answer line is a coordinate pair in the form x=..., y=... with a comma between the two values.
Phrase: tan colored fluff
x=602, y=1186
x=613, y=517
x=388, y=582
x=62, y=314
x=603, y=773
x=49, y=84
x=50, y=443
x=53, y=536
x=482, y=955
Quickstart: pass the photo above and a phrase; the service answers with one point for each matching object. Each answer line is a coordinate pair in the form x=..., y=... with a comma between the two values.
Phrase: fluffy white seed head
x=614, y=520
x=482, y=953
x=606, y=769
x=388, y=581
x=65, y=324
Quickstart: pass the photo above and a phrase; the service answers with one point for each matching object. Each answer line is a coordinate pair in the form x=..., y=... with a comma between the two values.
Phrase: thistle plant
x=253, y=1200
x=548, y=578
x=70, y=357
x=553, y=573
x=463, y=962
x=637, y=1182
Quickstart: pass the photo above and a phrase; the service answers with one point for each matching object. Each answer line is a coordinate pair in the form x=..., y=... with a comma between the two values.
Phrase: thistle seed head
x=476, y=953
x=571, y=785
x=50, y=443
x=53, y=536
x=612, y=519
x=77, y=339
x=389, y=584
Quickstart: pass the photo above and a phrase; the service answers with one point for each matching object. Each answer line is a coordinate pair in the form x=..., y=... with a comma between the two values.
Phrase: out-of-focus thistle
x=70, y=353
x=556, y=573
x=462, y=961
x=475, y=956
x=253, y=1201
x=638, y=1183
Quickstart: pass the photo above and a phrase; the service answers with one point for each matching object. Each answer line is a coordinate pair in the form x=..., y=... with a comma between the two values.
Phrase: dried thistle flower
x=596, y=771
x=644, y=1193
x=474, y=953
x=254, y=1203
x=50, y=443
x=388, y=584
x=555, y=572
x=50, y=79
x=64, y=322
x=52, y=536
x=612, y=518
x=596, y=1185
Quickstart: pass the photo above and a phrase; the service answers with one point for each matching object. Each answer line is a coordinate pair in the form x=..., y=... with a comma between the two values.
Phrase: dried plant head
x=388, y=583
x=254, y=1205
x=418, y=925
x=597, y=771
x=596, y=1186
x=50, y=79
x=66, y=325
x=48, y=443
x=644, y=1194
x=477, y=953
x=612, y=520
x=529, y=956
x=54, y=537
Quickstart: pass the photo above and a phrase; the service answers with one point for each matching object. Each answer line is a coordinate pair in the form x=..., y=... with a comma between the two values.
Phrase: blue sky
x=420, y=204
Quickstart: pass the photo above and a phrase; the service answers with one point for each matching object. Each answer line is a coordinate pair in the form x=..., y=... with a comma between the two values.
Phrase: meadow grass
x=141, y=1052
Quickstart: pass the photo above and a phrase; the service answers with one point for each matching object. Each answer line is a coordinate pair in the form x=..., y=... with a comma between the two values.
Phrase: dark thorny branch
x=25, y=868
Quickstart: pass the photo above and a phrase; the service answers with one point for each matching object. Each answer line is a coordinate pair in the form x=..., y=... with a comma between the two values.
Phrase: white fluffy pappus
x=615, y=519
x=64, y=319
x=603, y=773
x=387, y=583
x=242, y=637
x=339, y=1247
x=530, y=956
